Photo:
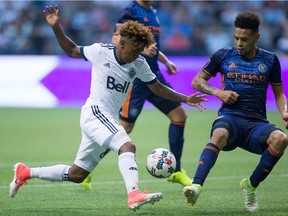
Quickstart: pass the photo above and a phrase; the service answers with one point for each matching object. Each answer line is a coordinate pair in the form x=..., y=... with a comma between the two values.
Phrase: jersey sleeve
x=146, y=75
x=212, y=67
x=275, y=76
x=90, y=53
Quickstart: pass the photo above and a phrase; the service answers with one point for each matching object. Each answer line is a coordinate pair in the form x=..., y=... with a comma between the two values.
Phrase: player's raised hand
x=196, y=99
x=51, y=15
x=171, y=68
x=151, y=51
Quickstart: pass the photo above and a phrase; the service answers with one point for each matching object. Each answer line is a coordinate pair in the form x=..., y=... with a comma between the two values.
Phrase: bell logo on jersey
x=111, y=84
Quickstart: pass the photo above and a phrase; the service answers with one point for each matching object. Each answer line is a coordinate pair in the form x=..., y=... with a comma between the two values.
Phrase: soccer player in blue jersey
x=246, y=71
x=143, y=12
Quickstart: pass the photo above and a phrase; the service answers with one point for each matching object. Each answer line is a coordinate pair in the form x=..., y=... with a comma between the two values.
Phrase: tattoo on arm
x=206, y=88
x=202, y=85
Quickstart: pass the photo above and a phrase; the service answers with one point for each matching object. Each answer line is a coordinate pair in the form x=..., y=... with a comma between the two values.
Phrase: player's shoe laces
x=192, y=193
x=251, y=203
x=137, y=198
x=21, y=174
x=180, y=177
x=87, y=182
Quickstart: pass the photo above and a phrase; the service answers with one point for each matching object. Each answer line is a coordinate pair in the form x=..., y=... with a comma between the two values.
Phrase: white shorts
x=100, y=131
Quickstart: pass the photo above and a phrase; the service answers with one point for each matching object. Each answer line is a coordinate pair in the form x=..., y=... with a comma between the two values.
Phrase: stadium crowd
x=196, y=28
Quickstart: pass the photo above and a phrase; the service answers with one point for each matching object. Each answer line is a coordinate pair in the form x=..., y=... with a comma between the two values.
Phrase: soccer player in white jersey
x=114, y=69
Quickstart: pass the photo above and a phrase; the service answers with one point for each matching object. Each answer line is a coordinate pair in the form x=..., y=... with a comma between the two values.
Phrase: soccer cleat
x=137, y=198
x=21, y=174
x=251, y=203
x=180, y=177
x=192, y=193
x=87, y=182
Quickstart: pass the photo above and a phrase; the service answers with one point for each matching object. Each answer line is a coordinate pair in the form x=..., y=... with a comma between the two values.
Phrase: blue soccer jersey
x=148, y=18
x=249, y=78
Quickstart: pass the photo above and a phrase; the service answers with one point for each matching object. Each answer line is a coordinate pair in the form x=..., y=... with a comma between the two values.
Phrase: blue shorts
x=248, y=134
x=137, y=96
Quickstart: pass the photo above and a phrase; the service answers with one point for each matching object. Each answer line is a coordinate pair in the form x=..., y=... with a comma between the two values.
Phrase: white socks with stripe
x=52, y=173
x=129, y=170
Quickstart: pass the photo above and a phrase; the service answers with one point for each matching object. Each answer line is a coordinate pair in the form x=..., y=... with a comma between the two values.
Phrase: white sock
x=129, y=170
x=53, y=173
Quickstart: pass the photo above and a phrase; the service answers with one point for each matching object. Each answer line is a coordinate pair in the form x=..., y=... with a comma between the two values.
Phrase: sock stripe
x=216, y=150
x=272, y=152
x=179, y=124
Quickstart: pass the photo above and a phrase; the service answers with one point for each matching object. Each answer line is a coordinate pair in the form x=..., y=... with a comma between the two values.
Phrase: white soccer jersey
x=110, y=81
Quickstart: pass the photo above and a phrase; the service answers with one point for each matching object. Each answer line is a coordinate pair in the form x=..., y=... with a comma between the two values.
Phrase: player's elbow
x=195, y=83
x=73, y=52
x=69, y=54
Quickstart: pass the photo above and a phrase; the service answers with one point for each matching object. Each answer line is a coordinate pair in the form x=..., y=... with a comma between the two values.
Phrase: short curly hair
x=137, y=32
x=247, y=20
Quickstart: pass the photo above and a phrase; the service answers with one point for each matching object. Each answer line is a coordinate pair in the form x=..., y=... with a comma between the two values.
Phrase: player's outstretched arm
x=52, y=17
x=168, y=93
x=200, y=83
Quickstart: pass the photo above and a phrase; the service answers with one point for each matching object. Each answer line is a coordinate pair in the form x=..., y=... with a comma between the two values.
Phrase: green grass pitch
x=43, y=137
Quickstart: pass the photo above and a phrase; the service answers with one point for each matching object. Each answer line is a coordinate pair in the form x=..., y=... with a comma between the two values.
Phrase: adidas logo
x=107, y=65
x=232, y=65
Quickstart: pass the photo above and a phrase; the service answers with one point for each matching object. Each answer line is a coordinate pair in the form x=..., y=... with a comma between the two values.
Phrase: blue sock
x=267, y=162
x=207, y=160
x=176, y=142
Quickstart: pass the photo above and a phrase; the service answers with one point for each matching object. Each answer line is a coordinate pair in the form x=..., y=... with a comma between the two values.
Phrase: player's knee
x=178, y=116
x=279, y=141
x=220, y=137
x=127, y=147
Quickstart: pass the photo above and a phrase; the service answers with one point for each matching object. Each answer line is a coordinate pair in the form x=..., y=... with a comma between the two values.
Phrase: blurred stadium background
x=193, y=28
x=35, y=72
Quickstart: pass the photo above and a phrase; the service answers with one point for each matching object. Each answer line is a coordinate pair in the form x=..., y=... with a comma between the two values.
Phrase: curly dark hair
x=247, y=20
x=137, y=32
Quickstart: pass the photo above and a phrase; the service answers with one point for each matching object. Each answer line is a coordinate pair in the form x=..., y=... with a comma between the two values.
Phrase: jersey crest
x=262, y=68
x=131, y=73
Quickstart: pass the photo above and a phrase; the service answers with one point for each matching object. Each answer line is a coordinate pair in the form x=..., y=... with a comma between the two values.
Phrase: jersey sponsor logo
x=262, y=68
x=111, y=84
x=155, y=30
x=232, y=65
x=245, y=77
x=145, y=19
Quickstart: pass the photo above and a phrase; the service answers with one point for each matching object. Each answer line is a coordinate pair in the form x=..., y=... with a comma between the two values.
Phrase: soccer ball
x=161, y=163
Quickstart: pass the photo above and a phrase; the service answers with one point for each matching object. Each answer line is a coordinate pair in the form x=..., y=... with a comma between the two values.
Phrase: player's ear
x=122, y=43
x=258, y=36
